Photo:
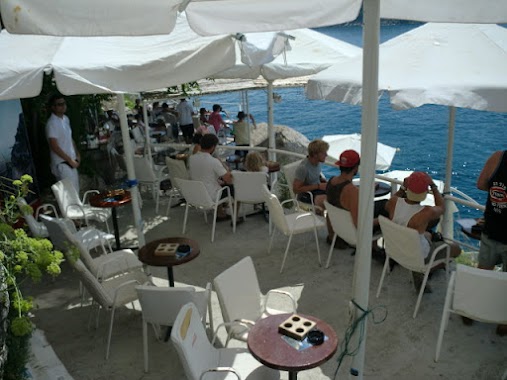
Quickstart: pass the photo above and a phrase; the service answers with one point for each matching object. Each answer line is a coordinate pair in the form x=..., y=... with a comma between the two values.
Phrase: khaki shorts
x=492, y=253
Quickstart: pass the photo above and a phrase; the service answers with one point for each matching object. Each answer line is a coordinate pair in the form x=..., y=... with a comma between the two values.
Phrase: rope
x=359, y=322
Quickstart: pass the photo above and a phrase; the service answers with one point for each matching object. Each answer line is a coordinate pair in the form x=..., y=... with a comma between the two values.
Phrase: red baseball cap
x=417, y=186
x=348, y=159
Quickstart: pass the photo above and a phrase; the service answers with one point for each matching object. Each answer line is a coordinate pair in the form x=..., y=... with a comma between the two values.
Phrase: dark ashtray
x=315, y=337
x=183, y=248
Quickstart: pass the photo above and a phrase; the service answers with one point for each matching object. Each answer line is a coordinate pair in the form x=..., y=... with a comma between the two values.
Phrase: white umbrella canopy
x=461, y=65
x=340, y=143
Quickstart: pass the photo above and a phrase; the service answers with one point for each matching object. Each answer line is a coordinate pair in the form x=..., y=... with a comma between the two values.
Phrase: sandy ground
x=397, y=348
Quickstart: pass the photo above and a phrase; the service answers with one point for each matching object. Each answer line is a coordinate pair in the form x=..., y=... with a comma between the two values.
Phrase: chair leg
x=331, y=251
x=445, y=318
x=285, y=254
x=110, y=333
x=215, y=212
x=421, y=291
x=145, y=345
x=185, y=218
x=168, y=210
x=271, y=240
x=317, y=243
x=157, y=197
x=384, y=271
x=234, y=215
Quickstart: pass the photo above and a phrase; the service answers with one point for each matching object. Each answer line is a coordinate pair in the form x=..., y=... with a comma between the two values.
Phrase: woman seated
x=254, y=162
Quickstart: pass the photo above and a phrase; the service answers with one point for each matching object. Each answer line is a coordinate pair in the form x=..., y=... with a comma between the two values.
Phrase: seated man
x=343, y=194
x=408, y=211
x=209, y=170
x=308, y=175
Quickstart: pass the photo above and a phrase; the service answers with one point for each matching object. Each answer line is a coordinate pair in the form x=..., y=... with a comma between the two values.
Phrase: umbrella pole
x=271, y=129
x=147, y=146
x=447, y=222
x=129, y=161
x=369, y=132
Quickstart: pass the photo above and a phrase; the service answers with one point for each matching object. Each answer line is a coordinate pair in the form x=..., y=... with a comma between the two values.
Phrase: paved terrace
x=398, y=348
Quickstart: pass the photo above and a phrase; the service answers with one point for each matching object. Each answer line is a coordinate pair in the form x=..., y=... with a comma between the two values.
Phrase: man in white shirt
x=209, y=170
x=63, y=152
x=185, y=112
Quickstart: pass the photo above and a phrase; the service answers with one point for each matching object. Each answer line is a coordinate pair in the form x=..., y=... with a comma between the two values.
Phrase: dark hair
x=165, y=105
x=202, y=110
x=208, y=141
x=241, y=115
x=216, y=107
x=197, y=139
x=52, y=100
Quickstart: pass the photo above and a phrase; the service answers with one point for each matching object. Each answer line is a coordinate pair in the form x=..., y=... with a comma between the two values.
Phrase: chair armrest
x=85, y=195
x=239, y=322
x=290, y=200
x=219, y=369
x=81, y=209
x=282, y=292
x=122, y=286
x=219, y=194
x=44, y=207
x=445, y=246
x=115, y=260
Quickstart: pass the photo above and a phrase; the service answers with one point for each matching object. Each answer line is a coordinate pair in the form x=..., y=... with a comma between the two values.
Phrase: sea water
x=420, y=134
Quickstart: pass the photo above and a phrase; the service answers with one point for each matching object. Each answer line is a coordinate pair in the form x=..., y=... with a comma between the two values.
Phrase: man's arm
x=55, y=147
x=299, y=186
x=436, y=211
x=488, y=170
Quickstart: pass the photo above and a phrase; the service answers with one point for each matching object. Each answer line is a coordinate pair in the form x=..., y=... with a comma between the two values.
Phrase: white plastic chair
x=146, y=174
x=343, y=226
x=160, y=307
x=296, y=223
x=196, y=195
x=38, y=229
x=76, y=209
x=177, y=169
x=111, y=293
x=103, y=266
x=247, y=189
x=240, y=298
x=201, y=360
x=403, y=245
x=476, y=294
x=289, y=171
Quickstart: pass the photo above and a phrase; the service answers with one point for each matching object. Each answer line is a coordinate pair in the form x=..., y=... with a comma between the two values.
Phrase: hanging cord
x=357, y=323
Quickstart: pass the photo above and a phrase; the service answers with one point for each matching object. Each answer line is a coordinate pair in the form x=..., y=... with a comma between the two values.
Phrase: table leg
x=293, y=375
x=115, y=227
x=170, y=276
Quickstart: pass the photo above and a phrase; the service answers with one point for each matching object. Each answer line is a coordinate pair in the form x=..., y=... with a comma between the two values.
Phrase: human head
x=417, y=186
x=57, y=104
x=196, y=139
x=254, y=161
x=318, y=148
x=241, y=115
x=165, y=106
x=202, y=110
x=216, y=108
x=349, y=161
x=209, y=142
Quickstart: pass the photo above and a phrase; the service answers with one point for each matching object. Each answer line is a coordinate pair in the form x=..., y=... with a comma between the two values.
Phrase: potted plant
x=21, y=258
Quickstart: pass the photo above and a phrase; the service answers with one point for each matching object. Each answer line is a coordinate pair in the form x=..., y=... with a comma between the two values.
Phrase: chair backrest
x=194, y=349
x=36, y=228
x=177, y=169
x=342, y=223
x=139, y=138
x=276, y=214
x=90, y=282
x=478, y=294
x=160, y=305
x=238, y=291
x=62, y=238
x=195, y=193
x=248, y=186
x=144, y=169
x=402, y=244
x=289, y=171
x=66, y=195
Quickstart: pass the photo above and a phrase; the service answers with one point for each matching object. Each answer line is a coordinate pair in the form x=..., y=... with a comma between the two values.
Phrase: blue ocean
x=420, y=133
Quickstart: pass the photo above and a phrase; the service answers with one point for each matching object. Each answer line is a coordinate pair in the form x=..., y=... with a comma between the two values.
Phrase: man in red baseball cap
x=405, y=208
x=343, y=194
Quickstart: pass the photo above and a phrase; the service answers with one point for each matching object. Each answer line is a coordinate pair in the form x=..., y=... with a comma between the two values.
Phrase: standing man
x=185, y=112
x=493, y=250
x=308, y=175
x=241, y=130
x=63, y=151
